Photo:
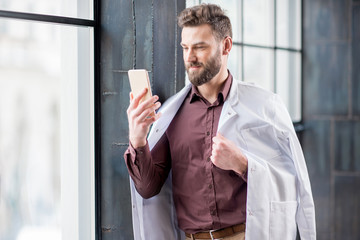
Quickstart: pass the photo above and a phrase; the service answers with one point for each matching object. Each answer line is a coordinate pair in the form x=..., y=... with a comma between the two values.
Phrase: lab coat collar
x=172, y=105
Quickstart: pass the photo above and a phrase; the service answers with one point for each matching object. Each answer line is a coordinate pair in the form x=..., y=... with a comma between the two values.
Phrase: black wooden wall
x=134, y=34
x=143, y=34
x=331, y=140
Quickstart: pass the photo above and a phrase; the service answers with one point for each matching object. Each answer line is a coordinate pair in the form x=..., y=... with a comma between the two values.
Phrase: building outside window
x=46, y=120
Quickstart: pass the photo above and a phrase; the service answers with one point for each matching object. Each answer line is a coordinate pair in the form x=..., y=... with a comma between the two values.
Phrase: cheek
x=204, y=55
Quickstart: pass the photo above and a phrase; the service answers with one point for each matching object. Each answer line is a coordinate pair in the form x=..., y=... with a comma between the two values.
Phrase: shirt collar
x=222, y=96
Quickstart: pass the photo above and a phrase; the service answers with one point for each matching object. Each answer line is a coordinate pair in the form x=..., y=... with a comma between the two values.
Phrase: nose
x=189, y=55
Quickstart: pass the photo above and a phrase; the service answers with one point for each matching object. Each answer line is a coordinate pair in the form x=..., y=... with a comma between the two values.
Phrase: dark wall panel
x=116, y=211
x=326, y=19
x=144, y=34
x=180, y=68
x=117, y=40
x=134, y=34
x=326, y=78
x=117, y=48
x=331, y=105
x=347, y=146
x=168, y=67
x=356, y=22
x=347, y=208
x=355, y=55
x=317, y=136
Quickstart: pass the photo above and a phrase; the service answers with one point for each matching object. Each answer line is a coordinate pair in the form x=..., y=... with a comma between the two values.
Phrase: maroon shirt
x=205, y=196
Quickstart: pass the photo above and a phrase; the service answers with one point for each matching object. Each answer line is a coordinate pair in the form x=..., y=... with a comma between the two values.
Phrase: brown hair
x=207, y=14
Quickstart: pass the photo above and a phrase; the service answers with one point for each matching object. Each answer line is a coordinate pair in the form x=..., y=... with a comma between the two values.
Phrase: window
x=266, y=46
x=46, y=122
x=76, y=9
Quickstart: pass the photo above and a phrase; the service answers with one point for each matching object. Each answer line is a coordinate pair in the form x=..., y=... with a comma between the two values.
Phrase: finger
x=141, y=94
x=216, y=140
x=219, y=135
x=213, y=154
x=213, y=159
x=136, y=111
x=149, y=111
x=149, y=102
x=146, y=105
x=131, y=96
x=150, y=120
x=136, y=100
x=157, y=116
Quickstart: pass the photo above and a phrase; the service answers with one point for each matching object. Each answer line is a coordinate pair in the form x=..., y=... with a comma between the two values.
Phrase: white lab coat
x=279, y=195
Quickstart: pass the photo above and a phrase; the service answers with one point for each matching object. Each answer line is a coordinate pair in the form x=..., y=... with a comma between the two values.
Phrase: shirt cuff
x=137, y=154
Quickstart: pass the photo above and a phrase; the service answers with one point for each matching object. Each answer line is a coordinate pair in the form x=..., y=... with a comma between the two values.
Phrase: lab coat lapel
x=168, y=110
x=228, y=111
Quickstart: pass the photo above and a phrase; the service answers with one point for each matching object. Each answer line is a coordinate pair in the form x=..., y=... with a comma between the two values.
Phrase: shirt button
x=208, y=159
x=213, y=212
x=210, y=186
x=208, y=133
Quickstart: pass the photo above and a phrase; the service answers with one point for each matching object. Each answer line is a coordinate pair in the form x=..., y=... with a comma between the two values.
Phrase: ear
x=227, y=45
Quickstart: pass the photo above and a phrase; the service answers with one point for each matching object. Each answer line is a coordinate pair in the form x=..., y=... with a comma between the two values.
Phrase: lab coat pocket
x=261, y=141
x=282, y=220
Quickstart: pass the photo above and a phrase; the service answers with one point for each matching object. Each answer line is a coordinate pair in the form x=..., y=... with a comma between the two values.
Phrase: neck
x=211, y=89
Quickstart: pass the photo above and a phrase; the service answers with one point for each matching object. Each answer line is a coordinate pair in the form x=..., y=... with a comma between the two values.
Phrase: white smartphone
x=139, y=79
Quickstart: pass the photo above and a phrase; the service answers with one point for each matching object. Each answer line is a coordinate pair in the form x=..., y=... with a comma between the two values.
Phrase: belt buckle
x=211, y=234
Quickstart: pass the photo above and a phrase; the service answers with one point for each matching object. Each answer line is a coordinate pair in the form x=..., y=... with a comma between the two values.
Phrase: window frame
x=94, y=24
x=297, y=124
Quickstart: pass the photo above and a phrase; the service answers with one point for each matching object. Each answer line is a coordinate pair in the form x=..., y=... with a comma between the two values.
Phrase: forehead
x=195, y=34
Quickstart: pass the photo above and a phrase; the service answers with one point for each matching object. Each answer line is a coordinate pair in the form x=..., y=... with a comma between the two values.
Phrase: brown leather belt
x=215, y=234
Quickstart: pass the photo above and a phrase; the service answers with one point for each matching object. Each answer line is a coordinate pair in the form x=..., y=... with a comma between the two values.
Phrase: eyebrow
x=195, y=44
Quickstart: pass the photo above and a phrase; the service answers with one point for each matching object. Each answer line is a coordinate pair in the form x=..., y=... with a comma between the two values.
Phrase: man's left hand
x=227, y=156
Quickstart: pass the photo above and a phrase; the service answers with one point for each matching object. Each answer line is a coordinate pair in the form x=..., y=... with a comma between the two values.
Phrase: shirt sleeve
x=149, y=169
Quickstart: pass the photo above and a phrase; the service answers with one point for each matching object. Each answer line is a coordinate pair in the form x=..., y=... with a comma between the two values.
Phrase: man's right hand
x=140, y=117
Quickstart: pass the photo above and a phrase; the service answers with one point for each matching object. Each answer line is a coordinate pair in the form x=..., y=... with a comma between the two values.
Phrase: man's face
x=202, y=54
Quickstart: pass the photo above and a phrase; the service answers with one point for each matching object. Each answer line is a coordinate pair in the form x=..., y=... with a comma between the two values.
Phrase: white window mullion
x=69, y=138
x=77, y=137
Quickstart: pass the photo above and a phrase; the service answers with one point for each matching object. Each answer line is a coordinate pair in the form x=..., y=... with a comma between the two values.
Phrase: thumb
x=219, y=135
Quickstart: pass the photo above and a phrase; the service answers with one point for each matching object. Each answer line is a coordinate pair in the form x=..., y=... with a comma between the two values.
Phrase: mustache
x=194, y=64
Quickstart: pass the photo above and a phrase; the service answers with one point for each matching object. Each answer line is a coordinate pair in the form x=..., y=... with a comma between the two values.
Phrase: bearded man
x=237, y=169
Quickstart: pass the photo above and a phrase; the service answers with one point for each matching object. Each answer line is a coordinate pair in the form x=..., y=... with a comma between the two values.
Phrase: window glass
x=68, y=8
x=288, y=81
x=235, y=62
x=259, y=67
x=259, y=22
x=232, y=9
x=38, y=64
x=190, y=3
x=288, y=17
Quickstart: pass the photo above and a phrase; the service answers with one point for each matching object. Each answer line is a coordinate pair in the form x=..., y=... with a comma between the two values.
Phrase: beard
x=210, y=69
